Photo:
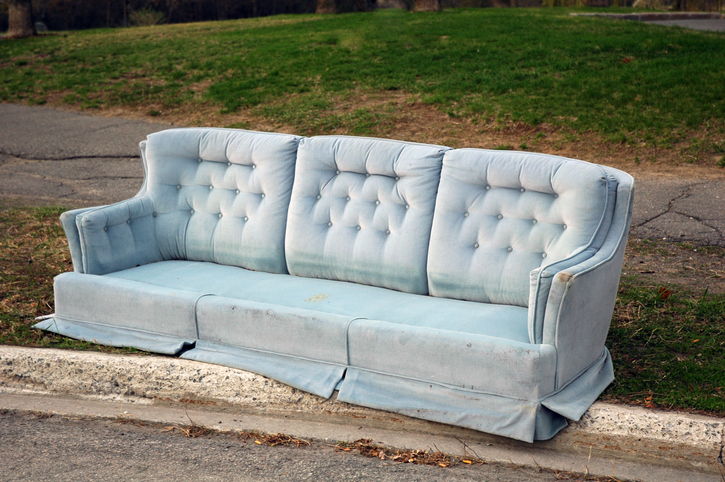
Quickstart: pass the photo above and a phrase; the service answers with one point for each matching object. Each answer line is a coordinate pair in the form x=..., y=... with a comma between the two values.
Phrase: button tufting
x=254, y=166
x=178, y=186
x=476, y=245
x=229, y=164
x=318, y=196
x=500, y=216
x=534, y=221
x=262, y=194
x=377, y=203
x=509, y=249
x=465, y=215
x=154, y=214
x=337, y=172
x=407, y=206
x=105, y=228
x=237, y=191
x=347, y=198
x=387, y=231
x=330, y=223
x=220, y=214
x=128, y=221
x=523, y=190
x=488, y=188
x=198, y=160
x=192, y=211
x=358, y=228
x=211, y=187
x=543, y=255
x=563, y=226
x=367, y=174
x=246, y=218
x=556, y=196
x=397, y=178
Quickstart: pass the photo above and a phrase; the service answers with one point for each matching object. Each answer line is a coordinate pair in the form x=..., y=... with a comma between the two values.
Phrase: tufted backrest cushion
x=361, y=211
x=221, y=195
x=499, y=215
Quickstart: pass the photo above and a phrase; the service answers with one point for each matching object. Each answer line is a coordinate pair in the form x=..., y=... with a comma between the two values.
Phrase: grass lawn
x=614, y=92
x=532, y=79
x=667, y=341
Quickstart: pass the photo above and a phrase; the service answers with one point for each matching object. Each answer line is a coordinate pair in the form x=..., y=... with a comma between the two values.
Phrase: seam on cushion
x=444, y=385
x=196, y=312
x=108, y=275
x=324, y=186
x=608, y=258
x=347, y=336
x=604, y=211
x=575, y=377
x=95, y=323
x=553, y=175
x=268, y=352
x=532, y=328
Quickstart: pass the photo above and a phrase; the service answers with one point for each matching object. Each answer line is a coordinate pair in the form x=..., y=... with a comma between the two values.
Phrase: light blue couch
x=465, y=286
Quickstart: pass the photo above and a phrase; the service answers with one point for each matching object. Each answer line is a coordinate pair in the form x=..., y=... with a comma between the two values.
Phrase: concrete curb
x=628, y=442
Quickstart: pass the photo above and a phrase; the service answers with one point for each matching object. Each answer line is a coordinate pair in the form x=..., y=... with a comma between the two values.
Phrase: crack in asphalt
x=686, y=192
x=703, y=222
x=67, y=158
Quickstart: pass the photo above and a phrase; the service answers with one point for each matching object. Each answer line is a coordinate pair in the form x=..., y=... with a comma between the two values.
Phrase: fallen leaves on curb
x=367, y=448
x=274, y=439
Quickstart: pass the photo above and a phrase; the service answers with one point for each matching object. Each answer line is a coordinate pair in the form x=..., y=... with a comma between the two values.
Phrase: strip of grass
x=667, y=342
x=628, y=81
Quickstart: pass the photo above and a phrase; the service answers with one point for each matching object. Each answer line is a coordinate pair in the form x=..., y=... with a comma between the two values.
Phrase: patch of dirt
x=407, y=118
x=694, y=268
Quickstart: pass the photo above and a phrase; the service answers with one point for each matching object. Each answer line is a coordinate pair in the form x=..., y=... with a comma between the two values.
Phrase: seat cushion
x=333, y=297
x=361, y=211
x=499, y=215
x=221, y=195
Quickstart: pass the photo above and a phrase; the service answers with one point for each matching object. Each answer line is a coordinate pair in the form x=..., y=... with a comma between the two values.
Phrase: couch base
x=520, y=419
x=525, y=420
x=114, y=336
x=311, y=376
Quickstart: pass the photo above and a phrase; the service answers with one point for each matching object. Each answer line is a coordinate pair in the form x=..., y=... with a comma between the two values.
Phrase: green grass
x=666, y=341
x=628, y=81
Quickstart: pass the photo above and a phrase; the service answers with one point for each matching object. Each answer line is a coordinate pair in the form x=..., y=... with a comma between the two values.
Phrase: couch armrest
x=118, y=236
x=581, y=297
x=68, y=221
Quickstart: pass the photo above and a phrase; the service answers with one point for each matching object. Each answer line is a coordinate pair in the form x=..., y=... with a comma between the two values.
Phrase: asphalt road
x=711, y=25
x=62, y=158
x=41, y=448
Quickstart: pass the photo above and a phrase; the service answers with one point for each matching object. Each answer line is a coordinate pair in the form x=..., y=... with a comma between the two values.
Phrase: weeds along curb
x=669, y=439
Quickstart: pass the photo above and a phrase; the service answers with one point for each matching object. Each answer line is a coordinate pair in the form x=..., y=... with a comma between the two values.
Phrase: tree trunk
x=20, y=19
x=427, y=6
x=364, y=5
x=326, y=6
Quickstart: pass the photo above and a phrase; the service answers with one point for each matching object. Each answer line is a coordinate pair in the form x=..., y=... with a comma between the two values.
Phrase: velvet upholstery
x=465, y=286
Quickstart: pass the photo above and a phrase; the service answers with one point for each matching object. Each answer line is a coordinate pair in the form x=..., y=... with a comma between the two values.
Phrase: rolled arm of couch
x=68, y=221
x=118, y=236
x=581, y=298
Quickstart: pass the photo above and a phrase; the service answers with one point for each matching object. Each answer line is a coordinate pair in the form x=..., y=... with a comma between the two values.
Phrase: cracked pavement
x=56, y=157
x=682, y=210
